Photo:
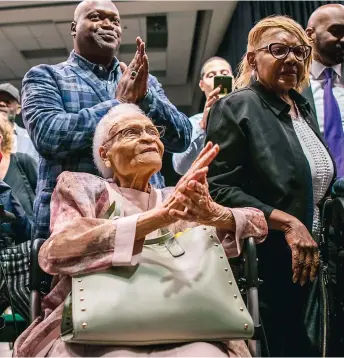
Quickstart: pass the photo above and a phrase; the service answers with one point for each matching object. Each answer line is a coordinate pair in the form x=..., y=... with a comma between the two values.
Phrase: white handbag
x=182, y=290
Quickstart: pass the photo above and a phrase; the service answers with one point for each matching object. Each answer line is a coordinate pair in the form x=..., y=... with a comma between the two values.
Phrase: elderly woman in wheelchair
x=121, y=228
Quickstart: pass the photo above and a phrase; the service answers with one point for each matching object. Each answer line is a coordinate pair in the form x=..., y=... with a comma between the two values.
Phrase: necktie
x=333, y=129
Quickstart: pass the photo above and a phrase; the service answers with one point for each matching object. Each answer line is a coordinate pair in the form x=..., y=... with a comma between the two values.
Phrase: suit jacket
x=20, y=229
x=21, y=176
x=308, y=94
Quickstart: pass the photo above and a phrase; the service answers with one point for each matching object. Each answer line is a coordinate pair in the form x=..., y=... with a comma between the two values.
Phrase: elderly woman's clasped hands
x=191, y=200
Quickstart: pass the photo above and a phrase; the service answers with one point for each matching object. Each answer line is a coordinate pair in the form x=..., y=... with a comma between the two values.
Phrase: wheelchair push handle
x=251, y=267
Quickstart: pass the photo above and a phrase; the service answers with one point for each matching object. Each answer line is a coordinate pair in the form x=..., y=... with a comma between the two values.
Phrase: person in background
x=10, y=105
x=18, y=170
x=325, y=31
x=15, y=244
x=273, y=158
x=215, y=66
x=63, y=103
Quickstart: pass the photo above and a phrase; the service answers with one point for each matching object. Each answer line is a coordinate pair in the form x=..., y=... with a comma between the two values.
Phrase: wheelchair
x=40, y=286
x=248, y=280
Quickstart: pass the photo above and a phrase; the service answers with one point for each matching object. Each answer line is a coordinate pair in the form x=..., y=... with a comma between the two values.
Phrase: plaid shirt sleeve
x=53, y=131
x=156, y=105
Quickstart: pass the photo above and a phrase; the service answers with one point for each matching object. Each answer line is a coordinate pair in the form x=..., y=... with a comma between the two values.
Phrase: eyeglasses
x=281, y=51
x=136, y=132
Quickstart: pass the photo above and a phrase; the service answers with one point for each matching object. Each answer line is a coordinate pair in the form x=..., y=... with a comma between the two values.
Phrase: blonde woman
x=273, y=158
x=18, y=170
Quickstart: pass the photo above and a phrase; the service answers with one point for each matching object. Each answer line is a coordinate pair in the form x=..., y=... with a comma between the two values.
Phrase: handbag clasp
x=174, y=248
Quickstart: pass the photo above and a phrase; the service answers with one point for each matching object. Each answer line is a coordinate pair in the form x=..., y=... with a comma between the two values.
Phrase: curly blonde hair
x=255, y=37
x=6, y=131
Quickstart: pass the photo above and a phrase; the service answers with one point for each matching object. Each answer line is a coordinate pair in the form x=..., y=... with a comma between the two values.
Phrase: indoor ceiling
x=180, y=36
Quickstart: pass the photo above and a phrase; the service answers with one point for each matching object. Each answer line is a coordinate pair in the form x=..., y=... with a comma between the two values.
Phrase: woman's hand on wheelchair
x=304, y=251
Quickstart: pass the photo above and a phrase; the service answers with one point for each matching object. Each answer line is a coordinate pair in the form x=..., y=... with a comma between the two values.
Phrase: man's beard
x=340, y=53
x=333, y=52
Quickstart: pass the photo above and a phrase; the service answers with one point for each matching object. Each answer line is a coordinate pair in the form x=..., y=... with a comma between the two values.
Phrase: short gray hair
x=103, y=128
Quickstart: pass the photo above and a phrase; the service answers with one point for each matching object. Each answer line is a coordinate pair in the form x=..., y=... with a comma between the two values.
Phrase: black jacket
x=261, y=163
x=22, y=178
x=19, y=229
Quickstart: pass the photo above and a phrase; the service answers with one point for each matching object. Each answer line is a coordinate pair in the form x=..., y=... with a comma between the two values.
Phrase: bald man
x=325, y=31
x=62, y=104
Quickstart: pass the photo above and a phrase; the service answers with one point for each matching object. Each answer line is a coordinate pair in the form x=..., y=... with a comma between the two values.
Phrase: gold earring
x=108, y=163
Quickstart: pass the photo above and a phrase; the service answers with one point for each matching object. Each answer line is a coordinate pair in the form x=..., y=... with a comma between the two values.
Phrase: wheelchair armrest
x=36, y=273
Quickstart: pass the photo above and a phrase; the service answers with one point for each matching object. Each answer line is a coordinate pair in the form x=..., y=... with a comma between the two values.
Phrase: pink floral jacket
x=82, y=242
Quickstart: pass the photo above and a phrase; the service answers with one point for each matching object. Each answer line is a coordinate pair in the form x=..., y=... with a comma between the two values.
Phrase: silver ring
x=133, y=74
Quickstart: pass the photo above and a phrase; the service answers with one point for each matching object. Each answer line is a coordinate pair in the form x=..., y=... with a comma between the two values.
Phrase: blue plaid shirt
x=62, y=105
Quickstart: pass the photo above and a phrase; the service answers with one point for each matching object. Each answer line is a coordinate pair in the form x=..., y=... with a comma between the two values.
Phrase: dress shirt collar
x=87, y=65
x=318, y=68
x=277, y=104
